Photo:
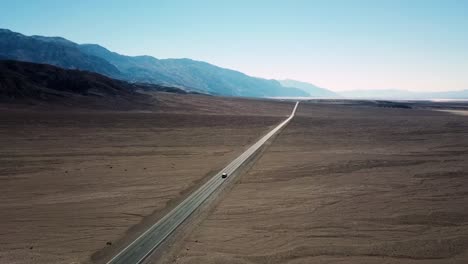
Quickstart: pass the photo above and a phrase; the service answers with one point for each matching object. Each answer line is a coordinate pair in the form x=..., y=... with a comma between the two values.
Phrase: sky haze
x=340, y=45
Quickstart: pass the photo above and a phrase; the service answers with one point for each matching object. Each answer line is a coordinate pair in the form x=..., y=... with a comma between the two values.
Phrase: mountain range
x=314, y=91
x=183, y=73
x=186, y=74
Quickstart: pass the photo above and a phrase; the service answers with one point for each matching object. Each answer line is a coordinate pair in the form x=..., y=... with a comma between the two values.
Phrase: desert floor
x=75, y=185
x=347, y=184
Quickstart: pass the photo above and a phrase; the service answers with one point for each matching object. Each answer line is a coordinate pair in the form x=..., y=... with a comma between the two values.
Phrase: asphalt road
x=146, y=243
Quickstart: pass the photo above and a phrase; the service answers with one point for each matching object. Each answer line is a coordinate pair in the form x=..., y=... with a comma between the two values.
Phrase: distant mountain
x=403, y=95
x=51, y=50
x=313, y=90
x=25, y=82
x=190, y=74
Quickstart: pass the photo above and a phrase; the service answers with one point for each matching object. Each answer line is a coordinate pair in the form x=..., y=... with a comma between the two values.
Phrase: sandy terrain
x=347, y=184
x=72, y=182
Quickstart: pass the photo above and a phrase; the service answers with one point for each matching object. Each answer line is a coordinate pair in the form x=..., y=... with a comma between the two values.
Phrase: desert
x=233, y=132
x=77, y=182
x=347, y=184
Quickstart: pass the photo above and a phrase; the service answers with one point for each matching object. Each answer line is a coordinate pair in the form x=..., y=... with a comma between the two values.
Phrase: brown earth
x=347, y=184
x=72, y=182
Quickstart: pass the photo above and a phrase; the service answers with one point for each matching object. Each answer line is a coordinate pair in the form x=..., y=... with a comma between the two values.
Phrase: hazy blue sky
x=340, y=45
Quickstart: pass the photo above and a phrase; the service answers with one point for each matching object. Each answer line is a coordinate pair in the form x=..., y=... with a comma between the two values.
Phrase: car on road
x=224, y=175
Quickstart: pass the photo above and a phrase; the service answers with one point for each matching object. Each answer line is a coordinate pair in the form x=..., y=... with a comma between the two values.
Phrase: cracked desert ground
x=345, y=184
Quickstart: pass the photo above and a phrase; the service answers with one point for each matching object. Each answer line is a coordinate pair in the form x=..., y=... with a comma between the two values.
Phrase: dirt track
x=347, y=185
x=72, y=181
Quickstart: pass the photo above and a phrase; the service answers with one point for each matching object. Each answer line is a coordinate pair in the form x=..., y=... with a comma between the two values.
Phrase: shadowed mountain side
x=31, y=83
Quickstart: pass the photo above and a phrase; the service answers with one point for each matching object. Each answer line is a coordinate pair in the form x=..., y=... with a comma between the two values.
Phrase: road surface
x=146, y=243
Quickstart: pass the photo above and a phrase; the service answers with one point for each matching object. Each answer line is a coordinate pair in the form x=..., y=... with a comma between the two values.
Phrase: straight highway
x=137, y=251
